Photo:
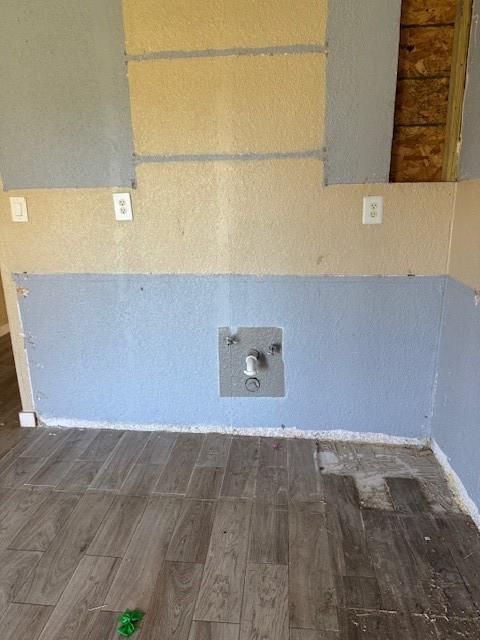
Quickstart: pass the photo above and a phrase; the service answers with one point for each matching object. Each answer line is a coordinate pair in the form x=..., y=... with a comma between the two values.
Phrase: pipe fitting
x=251, y=363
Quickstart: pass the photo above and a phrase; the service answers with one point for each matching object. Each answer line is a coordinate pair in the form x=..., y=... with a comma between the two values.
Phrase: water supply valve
x=251, y=363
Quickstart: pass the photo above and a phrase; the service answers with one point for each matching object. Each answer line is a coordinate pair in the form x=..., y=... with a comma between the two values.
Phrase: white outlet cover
x=122, y=204
x=372, y=210
x=18, y=208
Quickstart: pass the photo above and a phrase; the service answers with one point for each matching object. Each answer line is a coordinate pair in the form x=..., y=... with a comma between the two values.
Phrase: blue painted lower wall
x=456, y=422
x=360, y=352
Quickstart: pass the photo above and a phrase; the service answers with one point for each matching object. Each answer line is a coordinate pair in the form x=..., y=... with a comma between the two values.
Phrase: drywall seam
x=443, y=310
x=437, y=356
x=452, y=226
x=456, y=485
x=362, y=40
x=279, y=432
x=229, y=157
x=237, y=51
x=4, y=329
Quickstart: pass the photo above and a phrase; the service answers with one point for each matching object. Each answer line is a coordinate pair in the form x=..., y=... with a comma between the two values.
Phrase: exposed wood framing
x=419, y=12
x=415, y=105
x=430, y=86
x=425, y=52
x=457, y=89
x=417, y=154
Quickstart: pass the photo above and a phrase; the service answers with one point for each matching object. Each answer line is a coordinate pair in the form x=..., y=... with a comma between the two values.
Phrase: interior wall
x=228, y=128
x=456, y=425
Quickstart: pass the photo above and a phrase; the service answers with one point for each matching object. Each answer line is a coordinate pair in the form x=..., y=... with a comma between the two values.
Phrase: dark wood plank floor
x=230, y=538
x=9, y=394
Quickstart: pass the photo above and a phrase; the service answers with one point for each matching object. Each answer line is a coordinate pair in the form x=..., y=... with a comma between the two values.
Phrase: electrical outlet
x=18, y=208
x=373, y=210
x=122, y=204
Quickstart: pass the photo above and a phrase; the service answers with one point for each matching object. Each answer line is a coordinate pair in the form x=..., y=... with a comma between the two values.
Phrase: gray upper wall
x=64, y=104
x=363, y=40
x=470, y=154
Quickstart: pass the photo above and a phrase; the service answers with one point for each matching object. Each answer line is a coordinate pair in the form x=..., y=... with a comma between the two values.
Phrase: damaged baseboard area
x=4, y=329
x=266, y=432
x=456, y=485
x=340, y=435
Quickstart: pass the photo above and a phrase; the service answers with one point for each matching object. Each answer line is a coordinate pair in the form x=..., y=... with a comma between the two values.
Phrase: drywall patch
x=64, y=101
x=469, y=156
x=268, y=378
x=361, y=81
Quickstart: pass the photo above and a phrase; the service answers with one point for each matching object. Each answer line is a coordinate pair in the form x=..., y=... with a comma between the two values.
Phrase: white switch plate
x=373, y=210
x=18, y=207
x=122, y=204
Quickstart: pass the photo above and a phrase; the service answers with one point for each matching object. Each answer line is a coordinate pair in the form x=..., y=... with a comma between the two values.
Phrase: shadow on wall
x=3, y=312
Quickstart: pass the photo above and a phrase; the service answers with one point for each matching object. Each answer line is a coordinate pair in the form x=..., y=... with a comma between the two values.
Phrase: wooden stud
x=457, y=90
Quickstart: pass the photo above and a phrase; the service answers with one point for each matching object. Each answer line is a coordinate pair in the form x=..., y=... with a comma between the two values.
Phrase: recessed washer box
x=234, y=345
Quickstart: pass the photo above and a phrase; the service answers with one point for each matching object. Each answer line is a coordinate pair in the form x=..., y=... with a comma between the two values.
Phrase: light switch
x=18, y=207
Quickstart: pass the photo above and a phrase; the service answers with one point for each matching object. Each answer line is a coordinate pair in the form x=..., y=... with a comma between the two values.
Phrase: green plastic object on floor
x=128, y=622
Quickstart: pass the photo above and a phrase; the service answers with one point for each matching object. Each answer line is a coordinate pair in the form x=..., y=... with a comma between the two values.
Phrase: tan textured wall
x=465, y=247
x=260, y=217
x=186, y=25
x=243, y=104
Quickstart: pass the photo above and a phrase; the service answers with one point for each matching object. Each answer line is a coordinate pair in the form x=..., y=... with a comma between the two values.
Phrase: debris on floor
x=128, y=622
